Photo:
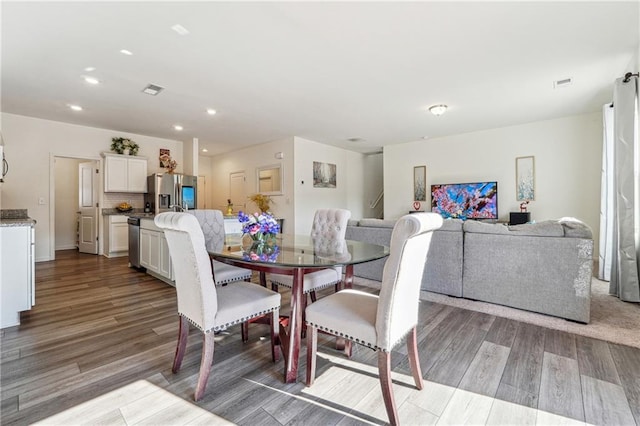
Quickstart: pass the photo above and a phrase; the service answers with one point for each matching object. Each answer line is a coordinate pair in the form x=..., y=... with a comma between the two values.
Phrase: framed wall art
x=324, y=175
x=164, y=151
x=420, y=183
x=525, y=178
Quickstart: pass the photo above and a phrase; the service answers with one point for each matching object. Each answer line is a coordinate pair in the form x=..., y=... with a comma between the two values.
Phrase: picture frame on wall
x=324, y=175
x=420, y=183
x=525, y=178
x=164, y=151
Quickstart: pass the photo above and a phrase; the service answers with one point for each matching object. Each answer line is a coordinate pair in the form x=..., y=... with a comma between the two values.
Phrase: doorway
x=237, y=191
x=75, y=183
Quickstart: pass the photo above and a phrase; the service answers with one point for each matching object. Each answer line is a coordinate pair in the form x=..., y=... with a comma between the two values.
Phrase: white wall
x=567, y=155
x=205, y=170
x=349, y=191
x=30, y=145
x=66, y=205
x=247, y=160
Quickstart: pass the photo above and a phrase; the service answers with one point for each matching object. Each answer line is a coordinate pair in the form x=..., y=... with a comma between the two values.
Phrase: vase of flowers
x=124, y=146
x=262, y=201
x=261, y=251
x=261, y=227
x=168, y=163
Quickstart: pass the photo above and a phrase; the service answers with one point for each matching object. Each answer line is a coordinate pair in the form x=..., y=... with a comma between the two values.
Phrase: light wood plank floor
x=98, y=346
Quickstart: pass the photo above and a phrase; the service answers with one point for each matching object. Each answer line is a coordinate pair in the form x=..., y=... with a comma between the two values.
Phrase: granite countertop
x=134, y=212
x=15, y=217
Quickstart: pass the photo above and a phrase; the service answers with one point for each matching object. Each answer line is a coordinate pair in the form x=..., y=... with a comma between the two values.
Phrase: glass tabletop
x=303, y=251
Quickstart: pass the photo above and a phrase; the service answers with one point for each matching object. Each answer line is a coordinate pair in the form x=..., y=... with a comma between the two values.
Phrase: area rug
x=611, y=319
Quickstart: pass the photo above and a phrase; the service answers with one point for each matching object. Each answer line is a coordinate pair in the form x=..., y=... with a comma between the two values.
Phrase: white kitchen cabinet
x=124, y=173
x=117, y=236
x=17, y=274
x=154, y=251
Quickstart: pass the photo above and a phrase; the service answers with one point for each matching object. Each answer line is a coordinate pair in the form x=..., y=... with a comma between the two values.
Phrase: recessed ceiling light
x=180, y=29
x=177, y=127
x=438, y=109
x=126, y=52
x=205, y=150
x=211, y=111
x=89, y=69
x=75, y=107
x=91, y=80
x=425, y=137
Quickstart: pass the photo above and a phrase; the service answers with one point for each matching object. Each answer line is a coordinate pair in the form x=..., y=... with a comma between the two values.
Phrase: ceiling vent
x=565, y=82
x=152, y=89
x=356, y=140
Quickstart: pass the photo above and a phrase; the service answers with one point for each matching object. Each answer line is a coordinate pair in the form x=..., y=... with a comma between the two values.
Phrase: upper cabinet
x=124, y=173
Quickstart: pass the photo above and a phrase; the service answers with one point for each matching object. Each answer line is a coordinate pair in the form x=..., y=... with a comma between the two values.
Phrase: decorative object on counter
x=261, y=227
x=124, y=146
x=262, y=201
x=164, y=151
x=416, y=205
x=523, y=206
x=124, y=207
x=168, y=163
x=229, y=207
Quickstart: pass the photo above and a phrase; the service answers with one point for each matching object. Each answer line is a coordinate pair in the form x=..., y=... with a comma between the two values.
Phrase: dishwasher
x=134, y=242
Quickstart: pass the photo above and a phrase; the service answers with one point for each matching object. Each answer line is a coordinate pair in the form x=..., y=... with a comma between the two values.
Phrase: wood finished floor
x=98, y=346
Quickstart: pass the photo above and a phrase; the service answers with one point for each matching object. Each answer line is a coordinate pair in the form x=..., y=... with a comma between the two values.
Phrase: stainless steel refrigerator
x=171, y=192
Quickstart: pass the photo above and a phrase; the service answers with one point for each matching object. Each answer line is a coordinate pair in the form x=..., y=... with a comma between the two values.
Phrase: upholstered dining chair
x=212, y=225
x=381, y=322
x=328, y=230
x=203, y=304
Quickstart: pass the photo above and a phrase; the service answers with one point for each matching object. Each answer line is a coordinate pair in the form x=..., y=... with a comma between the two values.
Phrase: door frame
x=52, y=199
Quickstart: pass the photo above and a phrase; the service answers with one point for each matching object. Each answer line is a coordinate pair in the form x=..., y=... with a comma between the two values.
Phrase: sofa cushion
x=352, y=222
x=548, y=228
x=575, y=228
x=451, y=225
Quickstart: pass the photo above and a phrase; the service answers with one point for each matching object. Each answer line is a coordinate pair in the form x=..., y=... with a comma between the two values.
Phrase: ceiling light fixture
x=75, y=107
x=152, y=89
x=91, y=80
x=205, y=150
x=180, y=29
x=126, y=52
x=177, y=127
x=438, y=110
x=211, y=111
x=89, y=69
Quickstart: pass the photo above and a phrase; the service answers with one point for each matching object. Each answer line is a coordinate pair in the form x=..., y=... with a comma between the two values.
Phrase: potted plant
x=124, y=146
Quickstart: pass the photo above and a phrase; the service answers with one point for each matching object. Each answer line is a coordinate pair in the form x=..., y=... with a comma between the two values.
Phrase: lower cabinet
x=154, y=253
x=117, y=236
x=17, y=274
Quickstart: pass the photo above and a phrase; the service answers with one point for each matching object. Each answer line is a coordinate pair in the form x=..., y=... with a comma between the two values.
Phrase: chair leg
x=384, y=370
x=414, y=360
x=313, y=297
x=183, y=333
x=244, y=331
x=303, y=334
x=312, y=347
x=274, y=324
x=205, y=365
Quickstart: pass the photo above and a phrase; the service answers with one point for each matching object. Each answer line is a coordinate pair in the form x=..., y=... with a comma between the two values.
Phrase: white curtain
x=606, y=196
x=620, y=250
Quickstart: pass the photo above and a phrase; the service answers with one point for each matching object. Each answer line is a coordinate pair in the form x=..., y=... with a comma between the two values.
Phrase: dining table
x=297, y=255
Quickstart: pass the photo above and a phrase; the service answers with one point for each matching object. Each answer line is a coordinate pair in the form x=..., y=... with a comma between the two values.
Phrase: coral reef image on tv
x=465, y=200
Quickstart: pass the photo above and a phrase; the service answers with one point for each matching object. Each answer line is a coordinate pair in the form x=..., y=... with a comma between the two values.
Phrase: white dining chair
x=328, y=230
x=381, y=322
x=203, y=304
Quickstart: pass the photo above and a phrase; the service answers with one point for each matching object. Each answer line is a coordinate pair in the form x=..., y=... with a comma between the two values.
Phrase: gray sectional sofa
x=542, y=267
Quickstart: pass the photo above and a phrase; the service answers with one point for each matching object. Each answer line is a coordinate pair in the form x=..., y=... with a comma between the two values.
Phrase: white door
x=88, y=207
x=237, y=191
x=202, y=190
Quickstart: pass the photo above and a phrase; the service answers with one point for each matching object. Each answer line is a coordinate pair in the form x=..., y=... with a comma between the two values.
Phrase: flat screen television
x=477, y=200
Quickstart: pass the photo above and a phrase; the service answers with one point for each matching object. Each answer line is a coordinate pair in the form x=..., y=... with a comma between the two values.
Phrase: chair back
x=402, y=276
x=329, y=230
x=212, y=225
x=195, y=287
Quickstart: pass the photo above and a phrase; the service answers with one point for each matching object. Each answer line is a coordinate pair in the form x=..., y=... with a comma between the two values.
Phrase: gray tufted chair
x=212, y=224
x=328, y=232
x=203, y=304
x=381, y=322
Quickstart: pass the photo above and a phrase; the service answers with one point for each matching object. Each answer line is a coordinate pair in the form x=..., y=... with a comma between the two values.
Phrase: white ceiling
x=322, y=71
